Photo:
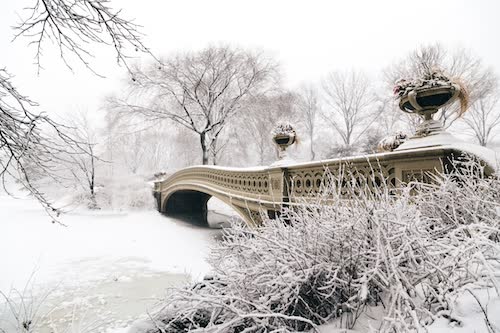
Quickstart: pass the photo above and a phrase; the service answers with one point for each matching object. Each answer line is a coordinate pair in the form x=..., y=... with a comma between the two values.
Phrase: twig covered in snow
x=73, y=24
x=490, y=326
x=30, y=143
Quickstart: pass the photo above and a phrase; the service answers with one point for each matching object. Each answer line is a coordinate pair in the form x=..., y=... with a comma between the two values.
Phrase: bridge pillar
x=278, y=188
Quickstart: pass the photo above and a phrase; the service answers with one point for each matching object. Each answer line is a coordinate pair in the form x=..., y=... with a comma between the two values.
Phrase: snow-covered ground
x=470, y=306
x=102, y=269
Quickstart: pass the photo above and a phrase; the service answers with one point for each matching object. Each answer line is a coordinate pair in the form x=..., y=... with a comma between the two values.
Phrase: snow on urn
x=424, y=96
x=284, y=135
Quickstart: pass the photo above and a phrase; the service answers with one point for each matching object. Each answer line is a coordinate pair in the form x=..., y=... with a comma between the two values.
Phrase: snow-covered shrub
x=354, y=246
x=126, y=192
x=120, y=192
x=476, y=200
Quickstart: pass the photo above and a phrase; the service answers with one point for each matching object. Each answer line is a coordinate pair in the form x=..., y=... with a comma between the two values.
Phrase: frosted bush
x=409, y=250
x=127, y=192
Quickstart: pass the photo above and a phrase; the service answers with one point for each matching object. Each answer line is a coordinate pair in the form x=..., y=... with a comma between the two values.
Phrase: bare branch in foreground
x=29, y=143
x=74, y=24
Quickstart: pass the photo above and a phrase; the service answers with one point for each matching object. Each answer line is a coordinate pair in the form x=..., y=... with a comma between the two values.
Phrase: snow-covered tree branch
x=73, y=25
x=30, y=143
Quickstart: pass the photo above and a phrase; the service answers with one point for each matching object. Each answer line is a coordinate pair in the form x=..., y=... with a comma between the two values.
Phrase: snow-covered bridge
x=265, y=190
x=253, y=191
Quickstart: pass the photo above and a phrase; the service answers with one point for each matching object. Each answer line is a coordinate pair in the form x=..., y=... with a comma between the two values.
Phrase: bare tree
x=217, y=148
x=350, y=107
x=387, y=123
x=26, y=137
x=83, y=167
x=259, y=117
x=128, y=141
x=308, y=104
x=251, y=131
x=389, y=115
x=201, y=91
x=74, y=24
x=459, y=63
x=484, y=118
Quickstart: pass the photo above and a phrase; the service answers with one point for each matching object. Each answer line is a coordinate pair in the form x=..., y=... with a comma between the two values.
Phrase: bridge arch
x=190, y=200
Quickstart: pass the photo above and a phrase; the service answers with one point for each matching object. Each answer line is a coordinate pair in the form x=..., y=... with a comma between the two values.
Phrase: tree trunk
x=204, y=148
x=93, y=201
x=213, y=150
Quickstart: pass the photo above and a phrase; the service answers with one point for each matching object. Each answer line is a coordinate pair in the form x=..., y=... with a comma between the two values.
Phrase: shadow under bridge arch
x=192, y=205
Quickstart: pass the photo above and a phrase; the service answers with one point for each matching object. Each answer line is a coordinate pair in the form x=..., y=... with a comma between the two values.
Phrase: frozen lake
x=99, y=272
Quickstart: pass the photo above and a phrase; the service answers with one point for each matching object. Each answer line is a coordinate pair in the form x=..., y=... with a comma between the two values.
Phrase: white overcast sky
x=309, y=38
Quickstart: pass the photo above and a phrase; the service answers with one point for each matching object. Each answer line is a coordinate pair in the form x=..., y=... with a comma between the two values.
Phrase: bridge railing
x=248, y=184
x=269, y=188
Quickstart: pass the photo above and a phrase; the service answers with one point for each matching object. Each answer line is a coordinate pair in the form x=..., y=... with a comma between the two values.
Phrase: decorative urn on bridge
x=284, y=135
x=426, y=95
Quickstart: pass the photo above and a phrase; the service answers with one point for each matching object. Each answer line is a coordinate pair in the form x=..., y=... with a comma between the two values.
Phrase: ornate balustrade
x=252, y=191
